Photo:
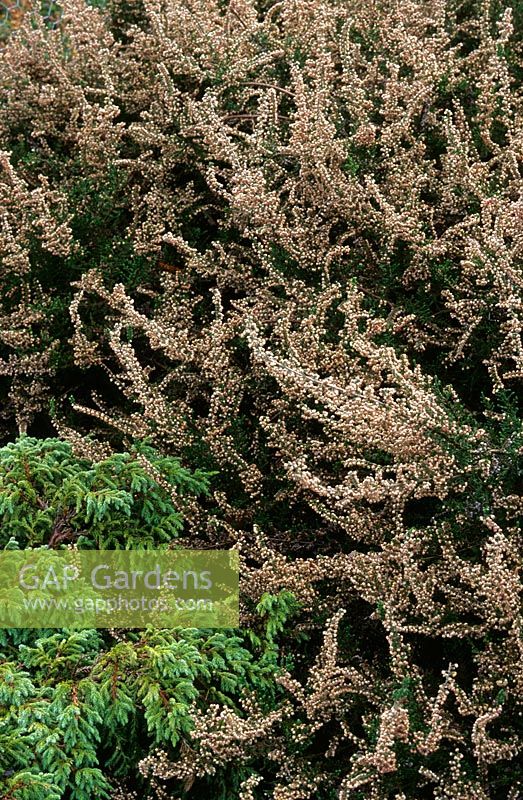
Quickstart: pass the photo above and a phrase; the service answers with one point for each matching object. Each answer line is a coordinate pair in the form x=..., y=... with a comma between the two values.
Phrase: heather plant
x=288, y=236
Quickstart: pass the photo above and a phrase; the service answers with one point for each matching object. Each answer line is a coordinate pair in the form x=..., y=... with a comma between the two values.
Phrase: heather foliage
x=281, y=242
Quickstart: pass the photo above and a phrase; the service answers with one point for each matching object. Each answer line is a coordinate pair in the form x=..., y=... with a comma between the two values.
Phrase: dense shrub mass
x=78, y=708
x=270, y=252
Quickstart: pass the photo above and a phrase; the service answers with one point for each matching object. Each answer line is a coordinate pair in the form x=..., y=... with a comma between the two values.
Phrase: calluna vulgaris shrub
x=279, y=242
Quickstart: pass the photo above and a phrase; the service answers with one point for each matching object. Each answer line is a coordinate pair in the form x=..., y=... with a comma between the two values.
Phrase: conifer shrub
x=81, y=709
x=49, y=496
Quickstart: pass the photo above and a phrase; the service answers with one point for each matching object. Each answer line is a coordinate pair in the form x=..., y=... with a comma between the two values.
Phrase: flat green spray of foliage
x=49, y=495
x=81, y=709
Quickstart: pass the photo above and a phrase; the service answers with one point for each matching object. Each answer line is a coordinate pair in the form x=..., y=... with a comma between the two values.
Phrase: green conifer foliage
x=79, y=709
x=50, y=496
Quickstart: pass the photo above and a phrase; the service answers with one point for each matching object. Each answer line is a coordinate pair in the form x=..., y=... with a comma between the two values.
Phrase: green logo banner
x=44, y=588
